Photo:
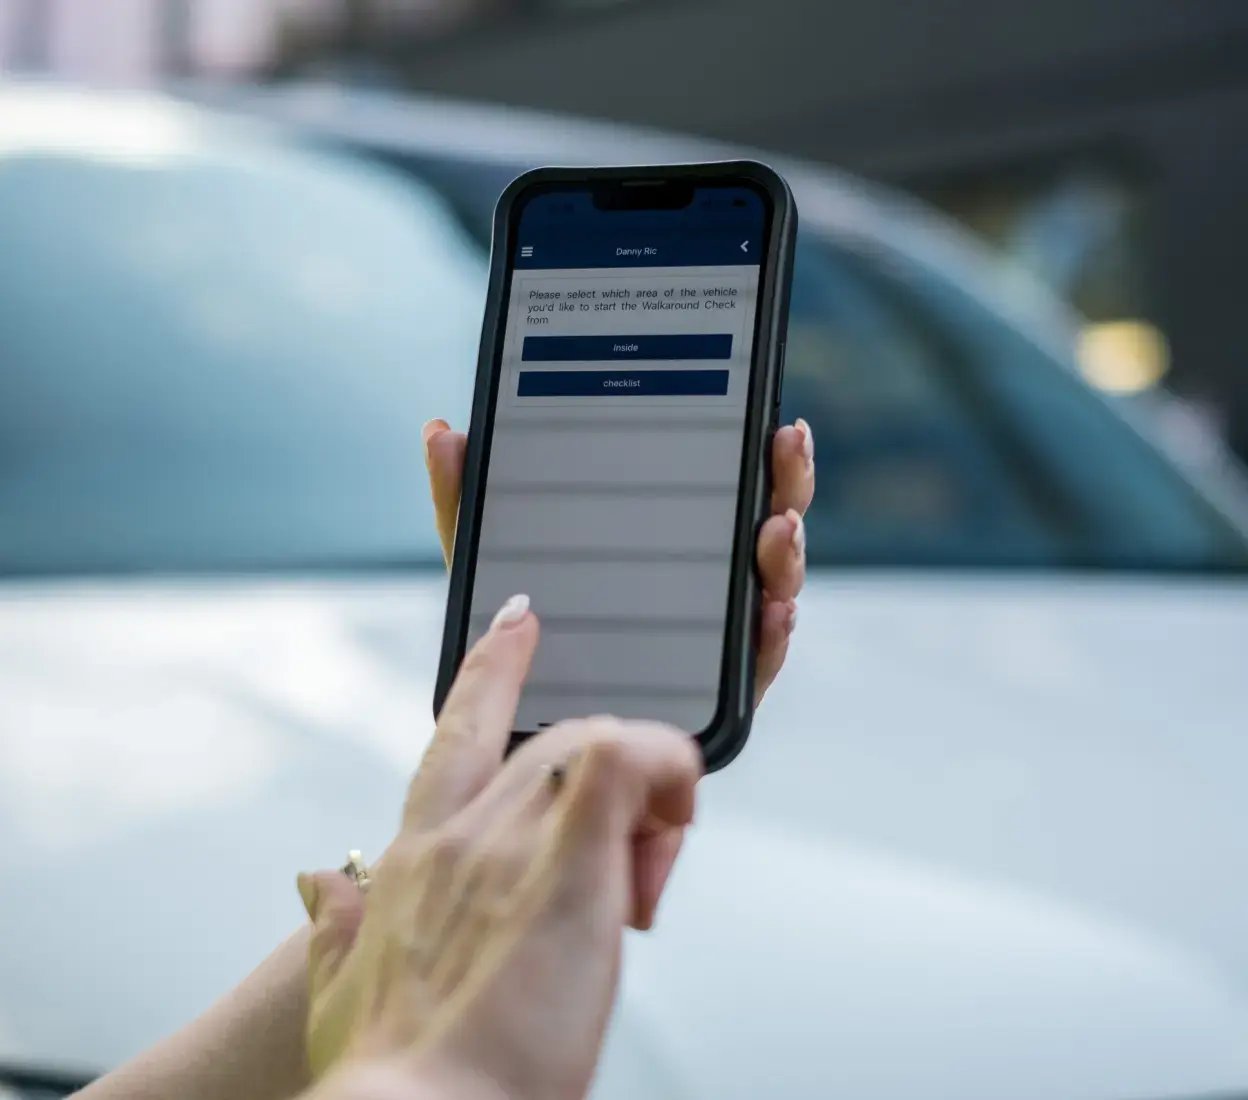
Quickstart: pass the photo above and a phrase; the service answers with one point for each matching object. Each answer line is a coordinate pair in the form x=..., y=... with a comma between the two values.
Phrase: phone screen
x=613, y=468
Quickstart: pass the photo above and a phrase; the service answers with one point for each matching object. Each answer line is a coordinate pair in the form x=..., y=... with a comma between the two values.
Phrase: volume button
x=775, y=397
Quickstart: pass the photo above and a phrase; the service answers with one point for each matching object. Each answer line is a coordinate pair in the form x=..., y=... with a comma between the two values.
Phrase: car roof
x=858, y=214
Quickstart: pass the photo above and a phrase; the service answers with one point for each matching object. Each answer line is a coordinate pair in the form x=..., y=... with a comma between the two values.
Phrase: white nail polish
x=808, y=439
x=791, y=620
x=799, y=532
x=511, y=612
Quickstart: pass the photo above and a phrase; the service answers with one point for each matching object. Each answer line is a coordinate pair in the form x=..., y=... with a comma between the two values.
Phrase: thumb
x=335, y=905
x=444, y=458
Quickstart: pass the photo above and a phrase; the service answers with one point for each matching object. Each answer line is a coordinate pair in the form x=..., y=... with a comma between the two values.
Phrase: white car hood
x=988, y=839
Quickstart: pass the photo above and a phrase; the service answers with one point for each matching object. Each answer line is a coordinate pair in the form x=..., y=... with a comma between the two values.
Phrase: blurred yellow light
x=1123, y=356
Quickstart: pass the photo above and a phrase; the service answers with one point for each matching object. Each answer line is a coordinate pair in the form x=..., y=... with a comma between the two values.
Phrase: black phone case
x=725, y=737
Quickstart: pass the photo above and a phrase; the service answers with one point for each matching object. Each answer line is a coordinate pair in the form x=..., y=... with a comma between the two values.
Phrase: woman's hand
x=781, y=546
x=488, y=947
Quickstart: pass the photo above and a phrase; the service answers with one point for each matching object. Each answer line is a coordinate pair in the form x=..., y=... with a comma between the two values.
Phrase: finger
x=611, y=793
x=782, y=555
x=335, y=906
x=793, y=468
x=476, y=720
x=666, y=755
x=778, y=621
x=444, y=458
x=654, y=855
x=524, y=789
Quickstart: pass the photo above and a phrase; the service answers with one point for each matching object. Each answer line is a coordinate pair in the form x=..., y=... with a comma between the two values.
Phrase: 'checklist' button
x=622, y=383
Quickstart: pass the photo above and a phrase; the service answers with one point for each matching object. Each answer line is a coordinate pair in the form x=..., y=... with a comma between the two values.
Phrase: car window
x=222, y=358
x=906, y=471
x=946, y=437
x=1111, y=499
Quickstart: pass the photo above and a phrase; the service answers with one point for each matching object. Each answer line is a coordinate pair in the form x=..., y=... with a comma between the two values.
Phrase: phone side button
x=775, y=397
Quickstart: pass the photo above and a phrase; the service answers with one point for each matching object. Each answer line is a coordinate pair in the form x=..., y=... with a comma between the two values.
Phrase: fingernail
x=808, y=438
x=790, y=622
x=511, y=612
x=798, y=535
x=432, y=427
x=309, y=893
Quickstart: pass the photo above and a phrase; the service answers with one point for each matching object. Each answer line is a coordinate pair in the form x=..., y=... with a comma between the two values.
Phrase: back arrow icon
x=745, y=246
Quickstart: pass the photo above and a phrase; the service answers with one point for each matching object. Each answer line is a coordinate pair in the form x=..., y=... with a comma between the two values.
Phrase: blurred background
x=1096, y=143
x=989, y=836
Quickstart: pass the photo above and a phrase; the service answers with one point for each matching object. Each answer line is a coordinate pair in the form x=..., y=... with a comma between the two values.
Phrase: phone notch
x=643, y=195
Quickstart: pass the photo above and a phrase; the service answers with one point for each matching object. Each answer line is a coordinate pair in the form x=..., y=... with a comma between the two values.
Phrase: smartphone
x=617, y=468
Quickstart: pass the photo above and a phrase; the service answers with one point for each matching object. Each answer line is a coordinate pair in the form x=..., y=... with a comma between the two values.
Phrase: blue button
x=636, y=383
x=567, y=349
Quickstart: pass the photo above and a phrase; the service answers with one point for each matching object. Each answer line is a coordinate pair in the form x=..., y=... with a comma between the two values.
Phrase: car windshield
x=220, y=359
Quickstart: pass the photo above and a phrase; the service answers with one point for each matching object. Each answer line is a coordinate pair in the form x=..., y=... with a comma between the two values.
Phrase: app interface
x=613, y=473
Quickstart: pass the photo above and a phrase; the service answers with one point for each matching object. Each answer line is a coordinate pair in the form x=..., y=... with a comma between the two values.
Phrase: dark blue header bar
x=722, y=226
x=639, y=249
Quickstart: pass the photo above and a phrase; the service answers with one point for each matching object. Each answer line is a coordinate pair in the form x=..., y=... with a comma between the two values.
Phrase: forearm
x=247, y=1046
